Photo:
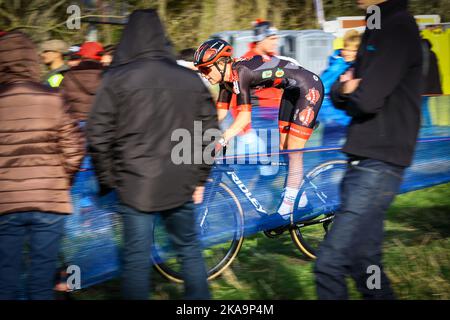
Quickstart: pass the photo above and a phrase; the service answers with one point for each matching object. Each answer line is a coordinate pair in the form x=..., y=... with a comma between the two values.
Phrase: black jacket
x=385, y=108
x=432, y=82
x=143, y=98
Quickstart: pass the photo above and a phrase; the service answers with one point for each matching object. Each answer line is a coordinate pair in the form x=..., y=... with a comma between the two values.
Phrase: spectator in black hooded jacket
x=144, y=97
x=382, y=96
x=432, y=80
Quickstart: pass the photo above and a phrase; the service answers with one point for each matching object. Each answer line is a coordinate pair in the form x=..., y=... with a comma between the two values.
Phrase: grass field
x=416, y=258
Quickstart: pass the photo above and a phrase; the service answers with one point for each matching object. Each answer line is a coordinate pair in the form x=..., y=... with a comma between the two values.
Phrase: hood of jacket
x=143, y=37
x=335, y=57
x=19, y=60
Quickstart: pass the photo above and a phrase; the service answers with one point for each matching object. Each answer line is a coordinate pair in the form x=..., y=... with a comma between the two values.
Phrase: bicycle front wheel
x=221, y=227
x=322, y=187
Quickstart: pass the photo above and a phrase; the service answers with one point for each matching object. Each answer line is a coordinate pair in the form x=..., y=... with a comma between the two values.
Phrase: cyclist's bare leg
x=283, y=141
x=295, y=175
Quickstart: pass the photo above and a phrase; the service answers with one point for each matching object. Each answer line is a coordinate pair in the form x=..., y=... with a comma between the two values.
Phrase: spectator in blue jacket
x=336, y=120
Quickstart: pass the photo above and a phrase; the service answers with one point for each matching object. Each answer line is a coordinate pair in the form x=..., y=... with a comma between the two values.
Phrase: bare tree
x=263, y=8
x=207, y=20
x=188, y=22
x=225, y=15
x=42, y=18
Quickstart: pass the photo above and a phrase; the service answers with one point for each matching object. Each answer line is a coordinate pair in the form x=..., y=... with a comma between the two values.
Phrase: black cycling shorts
x=300, y=105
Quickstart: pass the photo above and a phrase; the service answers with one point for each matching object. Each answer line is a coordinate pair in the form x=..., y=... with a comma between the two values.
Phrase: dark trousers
x=44, y=232
x=354, y=242
x=182, y=229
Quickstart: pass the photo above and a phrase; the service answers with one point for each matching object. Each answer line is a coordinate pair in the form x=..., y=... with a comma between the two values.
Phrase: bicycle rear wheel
x=322, y=187
x=221, y=225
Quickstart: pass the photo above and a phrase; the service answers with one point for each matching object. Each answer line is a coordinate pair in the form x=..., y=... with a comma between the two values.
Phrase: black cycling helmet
x=210, y=51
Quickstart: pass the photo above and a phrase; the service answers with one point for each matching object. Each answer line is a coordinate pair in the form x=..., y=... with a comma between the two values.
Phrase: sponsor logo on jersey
x=234, y=75
x=279, y=73
x=241, y=59
x=266, y=74
x=296, y=114
x=313, y=95
x=236, y=87
x=306, y=116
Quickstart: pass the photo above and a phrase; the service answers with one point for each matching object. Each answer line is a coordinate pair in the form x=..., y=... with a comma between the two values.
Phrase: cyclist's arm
x=244, y=106
x=239, y=124
x=223, y=103
x=221, y=114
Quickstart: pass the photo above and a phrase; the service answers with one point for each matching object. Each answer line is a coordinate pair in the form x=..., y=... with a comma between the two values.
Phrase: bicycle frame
x=217, y=178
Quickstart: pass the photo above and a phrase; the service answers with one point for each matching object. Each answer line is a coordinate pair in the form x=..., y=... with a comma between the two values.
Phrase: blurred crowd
x=43, y=121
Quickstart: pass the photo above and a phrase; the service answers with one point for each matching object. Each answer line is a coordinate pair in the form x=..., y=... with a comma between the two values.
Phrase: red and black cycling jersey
x=265, y=97
x=261, y=98
x=302, y=96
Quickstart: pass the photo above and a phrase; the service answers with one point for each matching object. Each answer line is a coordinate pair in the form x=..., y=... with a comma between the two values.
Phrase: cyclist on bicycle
x=300, y=102
x=265, y=102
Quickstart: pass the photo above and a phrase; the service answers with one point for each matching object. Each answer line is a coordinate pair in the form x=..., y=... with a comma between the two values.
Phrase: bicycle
x=221, y=249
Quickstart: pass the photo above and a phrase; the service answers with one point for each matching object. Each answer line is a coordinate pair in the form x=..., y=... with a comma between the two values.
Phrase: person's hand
x=197, y=197
x=350, y=86
x=221, y=146
x=348, y=75
x=349, y=83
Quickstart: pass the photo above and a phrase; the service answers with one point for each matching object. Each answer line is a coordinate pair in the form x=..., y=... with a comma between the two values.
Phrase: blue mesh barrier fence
x=249, y=180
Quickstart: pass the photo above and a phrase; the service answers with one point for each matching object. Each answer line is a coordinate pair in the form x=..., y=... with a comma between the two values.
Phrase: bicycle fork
x=210, y=192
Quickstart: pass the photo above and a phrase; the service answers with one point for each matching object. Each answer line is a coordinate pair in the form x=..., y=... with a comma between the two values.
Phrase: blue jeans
x=183, y=233
x=355, y=239
x=43, y=231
